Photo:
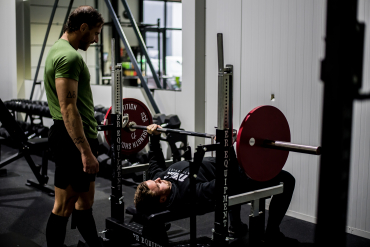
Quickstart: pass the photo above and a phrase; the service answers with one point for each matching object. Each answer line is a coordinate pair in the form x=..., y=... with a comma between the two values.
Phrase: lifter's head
x=151, y=194
x=84, y=26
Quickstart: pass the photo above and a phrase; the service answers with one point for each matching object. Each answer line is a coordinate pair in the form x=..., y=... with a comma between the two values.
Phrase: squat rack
x=115, y=226
x=341, y=72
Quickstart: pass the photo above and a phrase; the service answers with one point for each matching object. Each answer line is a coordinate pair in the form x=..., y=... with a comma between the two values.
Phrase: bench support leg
x=257, y=222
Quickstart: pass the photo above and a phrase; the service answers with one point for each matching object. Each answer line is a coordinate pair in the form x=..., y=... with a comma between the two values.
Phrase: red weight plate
x=262, y=123
x=132, y=141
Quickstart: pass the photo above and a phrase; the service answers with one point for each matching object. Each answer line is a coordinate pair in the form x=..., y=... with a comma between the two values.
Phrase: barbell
x=262, y=143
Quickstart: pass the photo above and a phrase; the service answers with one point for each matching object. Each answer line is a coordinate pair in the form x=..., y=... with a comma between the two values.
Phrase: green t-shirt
x=64, y=61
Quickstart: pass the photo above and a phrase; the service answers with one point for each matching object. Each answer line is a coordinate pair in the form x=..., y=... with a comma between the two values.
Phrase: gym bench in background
x=25, y=148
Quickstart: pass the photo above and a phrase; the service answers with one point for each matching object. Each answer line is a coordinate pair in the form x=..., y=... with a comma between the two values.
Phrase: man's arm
x=205, y=192
x=156, y=159
x=67, y=96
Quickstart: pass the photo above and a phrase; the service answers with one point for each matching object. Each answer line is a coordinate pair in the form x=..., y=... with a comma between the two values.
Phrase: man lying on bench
x=168, y=189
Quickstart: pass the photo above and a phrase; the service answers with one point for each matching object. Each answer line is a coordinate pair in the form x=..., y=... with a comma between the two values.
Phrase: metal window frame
x=162, y=30
x=122, y=36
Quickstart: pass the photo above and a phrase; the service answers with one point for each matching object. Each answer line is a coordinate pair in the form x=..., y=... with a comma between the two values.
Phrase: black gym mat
x=24, y=212
x=16, y=240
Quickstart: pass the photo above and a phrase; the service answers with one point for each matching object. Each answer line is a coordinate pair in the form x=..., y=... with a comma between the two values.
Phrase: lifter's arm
x=156, y=159
x=205, y=192
x=67, y=96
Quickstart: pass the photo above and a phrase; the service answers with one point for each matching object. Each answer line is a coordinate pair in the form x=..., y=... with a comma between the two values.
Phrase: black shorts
x=68, y=162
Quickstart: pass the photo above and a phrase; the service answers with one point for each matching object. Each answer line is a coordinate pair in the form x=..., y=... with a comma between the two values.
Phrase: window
x=164, y=39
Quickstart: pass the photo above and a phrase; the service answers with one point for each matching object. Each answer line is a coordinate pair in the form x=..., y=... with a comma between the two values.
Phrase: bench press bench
x=151, y=230
x=261, y=156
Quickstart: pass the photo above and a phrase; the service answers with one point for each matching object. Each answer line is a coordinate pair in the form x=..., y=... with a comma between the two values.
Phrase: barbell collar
x=125, y=120
x=176, y=131
x=298, y=148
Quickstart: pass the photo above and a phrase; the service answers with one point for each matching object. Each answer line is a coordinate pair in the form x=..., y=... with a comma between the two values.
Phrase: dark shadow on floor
x=14, y=239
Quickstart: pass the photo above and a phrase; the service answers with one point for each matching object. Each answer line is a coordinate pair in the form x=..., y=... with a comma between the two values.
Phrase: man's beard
x=168, y=183
x=85, y=42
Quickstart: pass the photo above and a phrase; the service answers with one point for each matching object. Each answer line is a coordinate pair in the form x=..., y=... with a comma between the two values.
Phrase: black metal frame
x=172, y=139
x=341, y=72
x=224, y=133
x=141, y=43
x=117, y=205
x=66, y=17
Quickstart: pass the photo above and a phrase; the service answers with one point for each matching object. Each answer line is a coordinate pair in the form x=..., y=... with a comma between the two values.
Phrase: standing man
x=73, y=137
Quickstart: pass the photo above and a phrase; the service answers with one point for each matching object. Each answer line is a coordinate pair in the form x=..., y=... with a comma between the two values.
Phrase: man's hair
x=83, y=14
x=145, y=200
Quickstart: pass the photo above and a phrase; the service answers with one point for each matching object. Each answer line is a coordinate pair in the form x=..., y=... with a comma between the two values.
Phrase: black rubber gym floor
x=24, y=212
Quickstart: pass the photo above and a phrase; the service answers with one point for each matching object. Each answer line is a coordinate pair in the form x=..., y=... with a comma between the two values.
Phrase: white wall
x=40, y=16
x=276, y=48
x=359, y=196
x=23, y=46
x=218, y=21
x=177, y=36
x=8, y=50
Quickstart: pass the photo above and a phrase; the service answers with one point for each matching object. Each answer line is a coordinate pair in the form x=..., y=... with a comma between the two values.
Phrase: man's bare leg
x=86, y=199
x=84, y=218
x=64, y=203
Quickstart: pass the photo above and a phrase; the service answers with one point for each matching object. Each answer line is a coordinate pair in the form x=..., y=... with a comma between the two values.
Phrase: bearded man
x=73, y=136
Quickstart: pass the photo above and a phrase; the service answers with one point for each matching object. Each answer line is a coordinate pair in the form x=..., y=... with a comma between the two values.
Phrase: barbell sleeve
x=176, y=131
x=292, y=147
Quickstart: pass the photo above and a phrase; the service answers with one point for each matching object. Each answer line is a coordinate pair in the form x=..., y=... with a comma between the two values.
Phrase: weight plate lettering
x=132, y=141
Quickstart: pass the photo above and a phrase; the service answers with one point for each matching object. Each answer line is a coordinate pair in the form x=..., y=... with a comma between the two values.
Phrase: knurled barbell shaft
x=183, y=132
x=292, y=147
x=267, y=143
x=288, y=146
